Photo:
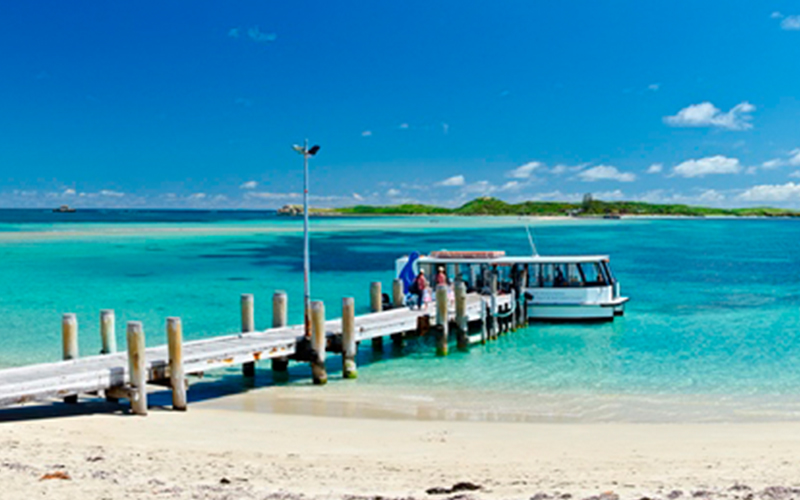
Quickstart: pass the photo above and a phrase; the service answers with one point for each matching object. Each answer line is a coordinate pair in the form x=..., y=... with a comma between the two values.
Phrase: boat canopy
x=468, y=258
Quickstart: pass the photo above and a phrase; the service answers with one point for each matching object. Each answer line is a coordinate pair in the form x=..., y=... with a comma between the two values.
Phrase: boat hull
x=565, y=312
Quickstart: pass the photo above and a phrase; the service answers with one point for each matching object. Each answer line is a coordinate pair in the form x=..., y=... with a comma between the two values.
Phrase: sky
x=196, y=104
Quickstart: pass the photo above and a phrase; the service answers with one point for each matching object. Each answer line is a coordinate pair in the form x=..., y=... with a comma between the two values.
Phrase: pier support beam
x=349, y=345
x=69, y=343
x=318, y=341
x=398, y=297
x=280, y=366
x=248, y=325
x=441, y=320
x=177, y=378
x=137, y=367
x=461, y=316
x=108, y=338
x=376, y=305
x=108, y=332
x=398, y=301
x=493, y=323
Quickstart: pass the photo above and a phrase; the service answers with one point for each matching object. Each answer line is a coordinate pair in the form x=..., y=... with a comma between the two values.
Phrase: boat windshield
x=583, y=274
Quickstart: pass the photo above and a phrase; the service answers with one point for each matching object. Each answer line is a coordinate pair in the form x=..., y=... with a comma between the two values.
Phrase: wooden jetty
x=118, y=375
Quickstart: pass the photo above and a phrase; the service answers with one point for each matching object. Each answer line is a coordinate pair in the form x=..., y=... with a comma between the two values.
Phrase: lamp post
x=307, y=153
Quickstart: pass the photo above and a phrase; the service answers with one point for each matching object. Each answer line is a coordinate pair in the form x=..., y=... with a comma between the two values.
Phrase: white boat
x=554, y=288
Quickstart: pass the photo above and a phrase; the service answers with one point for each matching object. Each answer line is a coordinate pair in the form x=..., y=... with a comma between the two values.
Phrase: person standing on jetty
x=419, y=286
x=441, y=277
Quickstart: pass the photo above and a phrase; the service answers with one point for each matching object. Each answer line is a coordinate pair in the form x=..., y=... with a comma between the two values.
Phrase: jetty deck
x=125, y=374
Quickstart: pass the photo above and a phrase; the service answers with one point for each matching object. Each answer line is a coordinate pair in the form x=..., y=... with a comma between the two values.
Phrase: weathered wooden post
x=484, y=321
x=108, y=335
x=280, y=366
x=349, y=345
x=461, y=315
x=177, y=378
x=398, y=301
x=376, y=305
x=137, y=367
x=318, y=341
x=398, y=297
x=69, y=343
x=521, y=308
x=494, y=327
x=441, y=320
x=248, y=325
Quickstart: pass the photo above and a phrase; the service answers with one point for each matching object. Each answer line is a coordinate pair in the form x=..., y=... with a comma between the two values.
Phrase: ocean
x=711, y=332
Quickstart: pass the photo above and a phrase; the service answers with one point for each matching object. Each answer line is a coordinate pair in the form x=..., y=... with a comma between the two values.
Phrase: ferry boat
x=555, y=288
x=64, y=209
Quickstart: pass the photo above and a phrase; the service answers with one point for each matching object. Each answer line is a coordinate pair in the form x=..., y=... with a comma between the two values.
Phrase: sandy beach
x=214, y=453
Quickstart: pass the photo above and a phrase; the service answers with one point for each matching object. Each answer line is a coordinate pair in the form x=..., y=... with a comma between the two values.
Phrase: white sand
x=186, y=455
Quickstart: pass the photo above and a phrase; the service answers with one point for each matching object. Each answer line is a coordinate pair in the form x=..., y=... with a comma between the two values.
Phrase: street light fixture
x=307, y=153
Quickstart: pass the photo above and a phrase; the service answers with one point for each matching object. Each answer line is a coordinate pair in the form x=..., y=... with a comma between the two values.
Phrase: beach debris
x=462, y=486
x=779, y=492
x=702, y=493
x=59, y=474
x=224, y=480
x=540, y=496
x=606, y=495
x=739, y=487
x=672, y=495
x=94, y=458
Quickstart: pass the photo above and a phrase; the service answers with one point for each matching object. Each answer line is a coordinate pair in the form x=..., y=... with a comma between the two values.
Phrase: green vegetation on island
x=590, y=207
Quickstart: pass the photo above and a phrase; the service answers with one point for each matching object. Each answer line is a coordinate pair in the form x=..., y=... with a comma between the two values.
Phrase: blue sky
x=197, y=104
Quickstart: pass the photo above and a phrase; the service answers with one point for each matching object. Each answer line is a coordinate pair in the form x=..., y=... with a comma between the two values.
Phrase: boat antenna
x=530, y=240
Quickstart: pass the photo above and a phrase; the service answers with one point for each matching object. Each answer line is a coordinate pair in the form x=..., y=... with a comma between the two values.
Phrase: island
x=589, y=207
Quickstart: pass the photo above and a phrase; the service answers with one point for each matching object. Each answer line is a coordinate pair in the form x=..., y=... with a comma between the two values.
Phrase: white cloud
x=510, y=186
x=257, y=35
x=272, y=196
x=711, y=196
x=706, y=114
x=248, y=185
x=524, y=171
x=795, y=174
x=197, y=196
x=358, y=197
x=445, y=128
x=609, y=195
x=403, y=126
x=68, y=192
x=791, y=23
x=366, y=133
x=456, y=180
x=772, y=192
x=393, y=192
x=776, y=15
x=655, y=168
x=605, y=173
x=653, y=87
x=112, y=194
x=707, y=166
x=563, y=169
x=791, y=160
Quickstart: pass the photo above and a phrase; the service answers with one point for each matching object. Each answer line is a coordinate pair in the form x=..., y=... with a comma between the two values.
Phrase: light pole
x=307, y=153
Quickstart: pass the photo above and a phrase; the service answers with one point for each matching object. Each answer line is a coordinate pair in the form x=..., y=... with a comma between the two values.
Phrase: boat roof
x=530, y=259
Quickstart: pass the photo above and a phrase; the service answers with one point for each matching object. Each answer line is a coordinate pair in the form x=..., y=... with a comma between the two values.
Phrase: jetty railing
x=125, y=375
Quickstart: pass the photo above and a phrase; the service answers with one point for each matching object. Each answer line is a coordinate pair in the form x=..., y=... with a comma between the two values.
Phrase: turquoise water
x=713, y=318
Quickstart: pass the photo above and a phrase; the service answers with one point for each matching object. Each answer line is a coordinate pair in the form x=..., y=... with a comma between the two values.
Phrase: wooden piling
x=137, y=368
x=248, y=325
x=177, y=378
x=349, y=346
x=280, y=366
x=318, y=341
x=108, y=335
x=441, y=320
x=69, y=343
x=398, y=297
x=461, y=316
x=376, y=305
x=484, y=321
x=493, y=320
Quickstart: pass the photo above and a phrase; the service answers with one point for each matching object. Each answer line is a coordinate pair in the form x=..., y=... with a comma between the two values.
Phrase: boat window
x=593, y=274
x=607, y=271
x=534, y=275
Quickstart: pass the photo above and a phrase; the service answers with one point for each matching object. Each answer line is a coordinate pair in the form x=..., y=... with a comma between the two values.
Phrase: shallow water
x=711, y=332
